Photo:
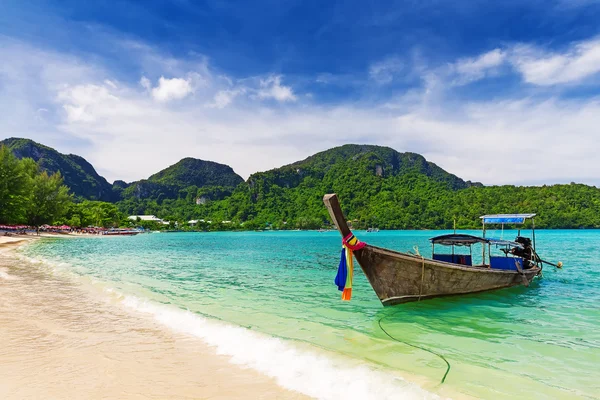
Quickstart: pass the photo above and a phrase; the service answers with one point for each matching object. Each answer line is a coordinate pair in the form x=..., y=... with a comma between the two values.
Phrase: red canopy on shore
x=62, y=227
x=15, y=227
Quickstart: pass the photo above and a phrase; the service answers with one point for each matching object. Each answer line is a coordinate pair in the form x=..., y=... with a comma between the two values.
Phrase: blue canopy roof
x=506, y=218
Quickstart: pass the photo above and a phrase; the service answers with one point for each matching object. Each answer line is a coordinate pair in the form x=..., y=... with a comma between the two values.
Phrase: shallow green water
x=537, y=342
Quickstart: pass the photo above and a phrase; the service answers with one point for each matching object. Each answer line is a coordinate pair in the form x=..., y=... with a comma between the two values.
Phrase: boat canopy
x=501, y=242
x=506, y=218
x=457, y=239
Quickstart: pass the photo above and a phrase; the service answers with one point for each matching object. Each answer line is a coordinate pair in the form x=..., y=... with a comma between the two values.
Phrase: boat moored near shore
x=398, y=277
x=121, y=232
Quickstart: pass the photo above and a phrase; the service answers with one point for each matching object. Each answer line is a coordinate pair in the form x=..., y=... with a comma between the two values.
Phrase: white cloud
x=271, y=88
x=128, y=135
x=223, y=98
x=384, y=72
x=472, y=69
x=542, y=68
x=171, y=89
x=535, y=65
x=81, y=101
x=145, y=83
x=512, y=141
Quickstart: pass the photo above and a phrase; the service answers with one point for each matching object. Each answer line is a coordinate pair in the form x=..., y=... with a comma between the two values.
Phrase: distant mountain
x=217, y=180
x=381, y=187
x=357, y=163
x=189, y=172
x=386, y=162
x=371, y=180
x=377, y=186
x=79, y=175
x=192, y=171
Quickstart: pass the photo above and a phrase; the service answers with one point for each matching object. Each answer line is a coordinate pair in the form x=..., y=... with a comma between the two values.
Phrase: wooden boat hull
x=400, y=277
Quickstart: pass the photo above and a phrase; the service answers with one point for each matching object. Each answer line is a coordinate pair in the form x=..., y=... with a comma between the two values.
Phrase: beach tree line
x=412, y=201
x=29, y=195
x=32, y=196
x=375, y=193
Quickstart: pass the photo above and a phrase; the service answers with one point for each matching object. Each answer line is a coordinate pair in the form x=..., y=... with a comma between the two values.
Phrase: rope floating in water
x=415, y=346
x=343, y=280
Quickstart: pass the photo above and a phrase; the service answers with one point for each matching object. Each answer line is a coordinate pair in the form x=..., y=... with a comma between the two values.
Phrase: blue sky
x=498, y=92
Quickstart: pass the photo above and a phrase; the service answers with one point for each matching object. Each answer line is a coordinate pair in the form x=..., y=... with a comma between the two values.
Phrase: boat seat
x=507, y=263
x=462, y=259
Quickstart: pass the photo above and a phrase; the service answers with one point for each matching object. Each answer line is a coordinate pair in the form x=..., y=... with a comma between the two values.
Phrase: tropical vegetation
x=29, y=195
x=377, y=186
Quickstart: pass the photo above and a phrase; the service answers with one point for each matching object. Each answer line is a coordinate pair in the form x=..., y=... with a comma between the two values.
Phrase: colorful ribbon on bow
x=343, y=279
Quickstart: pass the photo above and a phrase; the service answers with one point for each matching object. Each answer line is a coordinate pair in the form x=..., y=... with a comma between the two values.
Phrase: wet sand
x=60, y=341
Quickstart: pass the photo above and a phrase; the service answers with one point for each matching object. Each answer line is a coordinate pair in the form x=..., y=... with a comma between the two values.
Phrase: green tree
x=49, y=199
x=14, y=187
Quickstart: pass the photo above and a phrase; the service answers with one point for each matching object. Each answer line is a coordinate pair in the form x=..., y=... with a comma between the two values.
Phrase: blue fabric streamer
x=340, y=278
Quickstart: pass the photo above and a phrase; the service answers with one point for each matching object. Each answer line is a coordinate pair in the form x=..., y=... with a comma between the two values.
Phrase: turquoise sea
x=267, y=300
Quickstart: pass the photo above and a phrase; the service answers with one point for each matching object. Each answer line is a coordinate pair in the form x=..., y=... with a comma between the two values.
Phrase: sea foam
x=314, y=373
x=4, y=275
x=310, y=371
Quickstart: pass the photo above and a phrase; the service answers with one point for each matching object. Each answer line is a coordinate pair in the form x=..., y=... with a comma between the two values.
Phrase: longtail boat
x=400, y=277
x=121, y=232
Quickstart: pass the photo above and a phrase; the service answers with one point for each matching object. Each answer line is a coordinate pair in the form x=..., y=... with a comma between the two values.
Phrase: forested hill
x=79, y=175
x=380, y=187
x=192, y=171
x=188, y=176
x=377, y=187
x=385, y=161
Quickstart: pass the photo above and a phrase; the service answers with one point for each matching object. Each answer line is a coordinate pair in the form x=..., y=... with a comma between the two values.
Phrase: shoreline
x=59, y=341
x=75, y=284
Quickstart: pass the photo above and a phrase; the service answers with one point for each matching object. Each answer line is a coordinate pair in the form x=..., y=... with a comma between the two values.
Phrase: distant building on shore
x=195, y=222
x=153, y=218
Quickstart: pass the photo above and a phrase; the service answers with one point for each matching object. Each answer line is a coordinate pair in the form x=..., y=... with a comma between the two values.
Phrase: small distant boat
x=400, y=277
x=370, y=230
x=121, y=232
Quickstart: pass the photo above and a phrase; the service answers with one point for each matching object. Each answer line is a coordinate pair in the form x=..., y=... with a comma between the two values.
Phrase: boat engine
x=526, y=253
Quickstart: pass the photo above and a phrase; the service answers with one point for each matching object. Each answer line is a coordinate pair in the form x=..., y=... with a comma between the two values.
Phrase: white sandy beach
x=61, y=342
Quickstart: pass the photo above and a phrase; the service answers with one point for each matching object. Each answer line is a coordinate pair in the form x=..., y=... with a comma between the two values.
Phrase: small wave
x=318, y=375
x=49, y=265
x=315, y=373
